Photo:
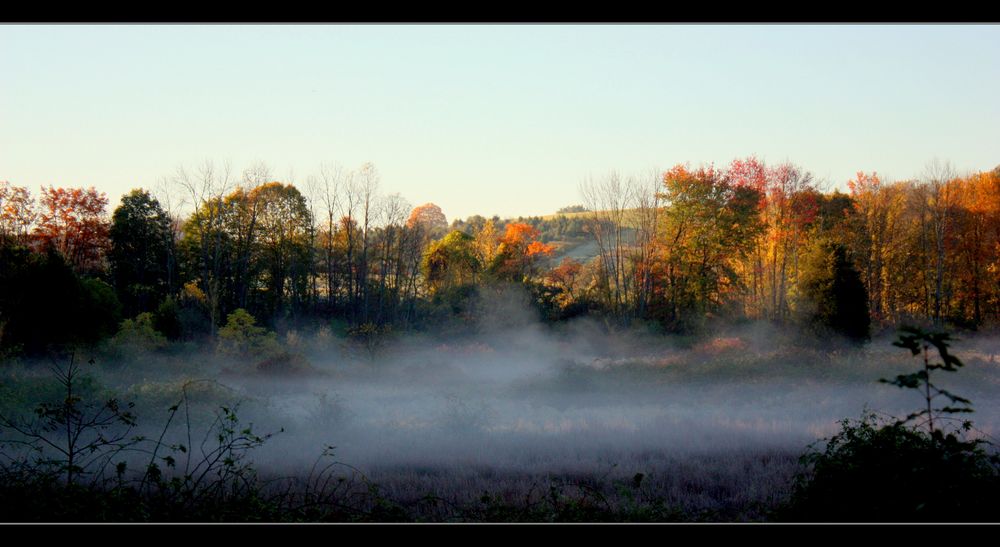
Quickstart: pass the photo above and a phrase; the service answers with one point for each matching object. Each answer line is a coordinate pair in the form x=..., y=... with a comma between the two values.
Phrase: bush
x=880, y=470
x=922, y=467
x=137, y=336
x=242, y=338
x=44, y=304
x=167, y=318
x=71, y=462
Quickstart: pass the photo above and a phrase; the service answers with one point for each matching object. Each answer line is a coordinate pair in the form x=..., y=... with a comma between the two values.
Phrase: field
x=533, y=424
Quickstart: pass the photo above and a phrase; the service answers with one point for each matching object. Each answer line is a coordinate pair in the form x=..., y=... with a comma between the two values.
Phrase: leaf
x=954, y=410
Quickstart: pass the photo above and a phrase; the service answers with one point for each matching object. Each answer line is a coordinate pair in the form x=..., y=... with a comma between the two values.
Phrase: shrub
x=242, y=338
x=370, y=336
x=74, y=438
x=167, y=318
x=923, y=467
x=71, y=462
x=139, y=335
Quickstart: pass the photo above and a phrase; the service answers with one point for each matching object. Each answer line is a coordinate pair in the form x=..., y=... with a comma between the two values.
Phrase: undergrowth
x=928, y=466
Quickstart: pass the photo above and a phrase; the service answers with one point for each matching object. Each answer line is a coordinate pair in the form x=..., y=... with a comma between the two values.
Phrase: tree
x=36, y=291
x=72, y=222
x=710, y=227
x=17, y=213
x=75, y=437
x=204, y=241
x=976, y=261
x=787, y=206
x=283, y=249
x=330, y=180
x=833, y=297
x=517, y=253
x=451, y=261
x=395, y=246
x=241, y=223
x=610, y=199
x=941, y=197
x=44, y=304
x=430, y=219
x=141, y=247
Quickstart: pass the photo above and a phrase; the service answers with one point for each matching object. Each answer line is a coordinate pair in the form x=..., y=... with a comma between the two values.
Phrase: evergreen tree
x=831, y=294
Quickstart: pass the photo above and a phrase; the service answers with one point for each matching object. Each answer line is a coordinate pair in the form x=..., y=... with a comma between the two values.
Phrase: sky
x=491, y=119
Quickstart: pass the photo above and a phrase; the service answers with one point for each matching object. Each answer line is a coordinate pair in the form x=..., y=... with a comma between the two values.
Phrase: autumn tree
x=787, y=206
x=241, y=222
x=518, y=251
x=875, y=235
x=72, y=221
x=451, y=261
x=430, y=219
x=488, y=240
x=711, y=225
x=974, y=248
x=566, y=278
x=17, y=213
x=282, y=246
x=204, y=242
x=938, y=205
x=623, y=223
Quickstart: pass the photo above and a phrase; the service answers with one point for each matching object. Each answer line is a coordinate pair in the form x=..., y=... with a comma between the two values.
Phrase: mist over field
x=712, y=423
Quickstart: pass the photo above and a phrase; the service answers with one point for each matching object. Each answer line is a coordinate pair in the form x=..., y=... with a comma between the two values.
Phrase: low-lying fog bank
x=529, y=398
x=714, y=424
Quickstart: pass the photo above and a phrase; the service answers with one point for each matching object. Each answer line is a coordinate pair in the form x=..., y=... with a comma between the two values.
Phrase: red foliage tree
x=72, y=220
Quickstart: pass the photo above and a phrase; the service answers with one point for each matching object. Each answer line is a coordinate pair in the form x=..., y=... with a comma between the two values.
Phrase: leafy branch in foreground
x=919, y=341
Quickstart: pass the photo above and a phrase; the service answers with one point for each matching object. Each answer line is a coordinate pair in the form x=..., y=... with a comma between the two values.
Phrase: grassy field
x=525, y=424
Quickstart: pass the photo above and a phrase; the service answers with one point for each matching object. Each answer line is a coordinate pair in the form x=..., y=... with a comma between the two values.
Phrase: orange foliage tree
x=975, y=243
x=17, y=213
x=518, y=252
x=787, y=206
x=430, y=219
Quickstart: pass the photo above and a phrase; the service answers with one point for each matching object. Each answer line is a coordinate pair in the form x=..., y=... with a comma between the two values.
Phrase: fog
x=517, y=398
x=519, y=395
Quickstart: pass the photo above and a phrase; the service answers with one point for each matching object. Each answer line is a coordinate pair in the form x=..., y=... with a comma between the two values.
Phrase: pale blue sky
x=491, y=119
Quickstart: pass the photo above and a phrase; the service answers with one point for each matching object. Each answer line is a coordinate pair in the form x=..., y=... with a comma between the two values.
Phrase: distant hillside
x=629, y=214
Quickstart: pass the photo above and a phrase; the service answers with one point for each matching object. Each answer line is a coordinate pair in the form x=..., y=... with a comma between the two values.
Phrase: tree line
x=757, y=241
x=681, y=249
